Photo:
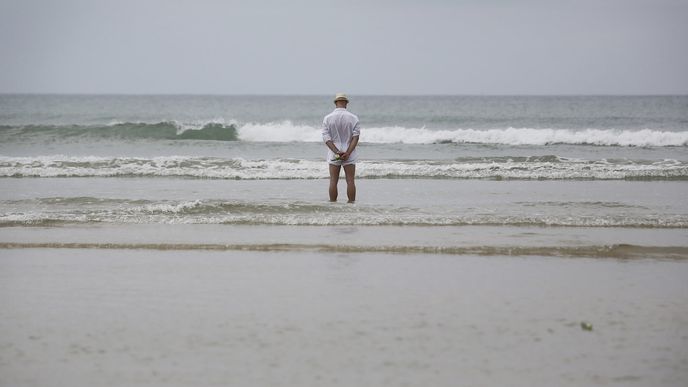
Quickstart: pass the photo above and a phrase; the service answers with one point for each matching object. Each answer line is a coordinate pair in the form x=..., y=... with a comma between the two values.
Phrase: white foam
x=527, y=136
x=172, y=208
x=200, y=124
x=284, y=131
x=400, y=217
x=238, y=168
x=287, y=131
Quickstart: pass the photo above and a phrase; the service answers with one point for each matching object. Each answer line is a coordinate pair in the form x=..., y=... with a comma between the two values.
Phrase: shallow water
x=395, y=202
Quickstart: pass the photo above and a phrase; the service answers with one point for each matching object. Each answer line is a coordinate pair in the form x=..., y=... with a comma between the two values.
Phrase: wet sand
x=103, y=317
x=605, y=242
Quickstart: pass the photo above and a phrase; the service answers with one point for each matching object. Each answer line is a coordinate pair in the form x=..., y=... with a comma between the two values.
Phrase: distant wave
x=85, y=210
x=524, y=168
x=166, y=130
x=287, y=131
x=525, y=136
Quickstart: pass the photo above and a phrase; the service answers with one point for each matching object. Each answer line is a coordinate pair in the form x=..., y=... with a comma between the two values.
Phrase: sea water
x=593, y=162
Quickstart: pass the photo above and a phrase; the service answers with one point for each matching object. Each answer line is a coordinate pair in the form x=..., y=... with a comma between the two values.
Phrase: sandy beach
x=103, y=317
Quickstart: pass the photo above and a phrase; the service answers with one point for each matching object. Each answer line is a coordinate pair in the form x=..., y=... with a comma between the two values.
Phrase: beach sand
x=148, y=317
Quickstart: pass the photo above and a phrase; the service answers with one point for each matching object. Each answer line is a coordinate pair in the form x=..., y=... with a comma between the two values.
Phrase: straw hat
x=340, y=97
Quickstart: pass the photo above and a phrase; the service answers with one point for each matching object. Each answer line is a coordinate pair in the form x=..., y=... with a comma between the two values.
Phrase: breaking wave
x=166, y=130
x=518, y=168
x=287, y=131
x=513, y=136
x=87, y=210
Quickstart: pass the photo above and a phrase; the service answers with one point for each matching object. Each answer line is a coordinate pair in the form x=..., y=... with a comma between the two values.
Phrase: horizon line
x=355, y=94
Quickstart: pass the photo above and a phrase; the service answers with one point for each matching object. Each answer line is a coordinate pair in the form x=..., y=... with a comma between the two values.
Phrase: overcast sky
x=359, y=47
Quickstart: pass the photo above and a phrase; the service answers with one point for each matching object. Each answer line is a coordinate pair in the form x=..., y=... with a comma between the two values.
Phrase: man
x=340, y=132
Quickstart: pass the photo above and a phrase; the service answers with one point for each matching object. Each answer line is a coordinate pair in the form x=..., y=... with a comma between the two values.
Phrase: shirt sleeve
x=325, y=132
x=357, y=129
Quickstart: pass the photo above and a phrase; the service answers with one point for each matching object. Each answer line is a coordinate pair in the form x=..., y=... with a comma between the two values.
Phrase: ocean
x=495, y=240
x=580, y=161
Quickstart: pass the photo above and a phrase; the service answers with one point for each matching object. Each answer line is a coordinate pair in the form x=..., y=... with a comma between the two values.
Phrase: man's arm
x=328, y=139
x=332, y=147
x=352, y=146
x=355, y=133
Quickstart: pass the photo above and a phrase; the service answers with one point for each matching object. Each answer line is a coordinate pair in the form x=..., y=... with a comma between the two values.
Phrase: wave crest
x=527, y=136
x=303, y=214
x=164, y=130
x=520, y=168
x=287, y=131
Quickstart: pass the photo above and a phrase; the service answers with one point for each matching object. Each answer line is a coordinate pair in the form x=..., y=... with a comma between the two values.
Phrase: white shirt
x=339, y=127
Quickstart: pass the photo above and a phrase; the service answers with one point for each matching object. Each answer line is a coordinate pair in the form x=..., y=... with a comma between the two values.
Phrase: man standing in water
x=340, y=132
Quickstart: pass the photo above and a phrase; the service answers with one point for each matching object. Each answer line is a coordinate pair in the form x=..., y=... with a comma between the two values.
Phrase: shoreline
x=622, y=251
x=622, y=243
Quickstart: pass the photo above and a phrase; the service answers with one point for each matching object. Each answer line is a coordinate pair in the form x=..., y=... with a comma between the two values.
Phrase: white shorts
x=341, y=162
x=353, y=157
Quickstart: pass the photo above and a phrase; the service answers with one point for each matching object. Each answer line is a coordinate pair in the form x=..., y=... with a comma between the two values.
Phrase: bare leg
x=350, y=171
x=334, y=179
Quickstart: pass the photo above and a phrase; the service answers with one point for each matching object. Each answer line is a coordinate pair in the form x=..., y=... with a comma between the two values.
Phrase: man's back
x=340, y=126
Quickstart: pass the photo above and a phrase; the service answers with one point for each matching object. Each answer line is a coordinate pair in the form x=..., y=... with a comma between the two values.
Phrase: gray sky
x=359, y=47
